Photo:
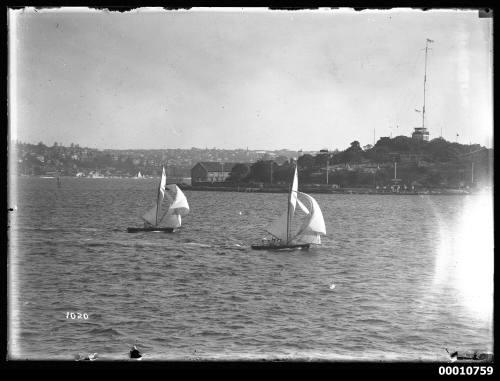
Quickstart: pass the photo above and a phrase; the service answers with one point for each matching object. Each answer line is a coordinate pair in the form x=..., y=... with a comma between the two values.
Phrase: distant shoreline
x=308, y=189
x=367, y=191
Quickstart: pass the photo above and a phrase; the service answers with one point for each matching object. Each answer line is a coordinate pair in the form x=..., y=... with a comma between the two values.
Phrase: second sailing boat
x=309, y=231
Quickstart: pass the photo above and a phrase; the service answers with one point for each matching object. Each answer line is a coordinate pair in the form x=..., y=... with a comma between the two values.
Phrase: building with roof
x=210, y=171
x=420, y=133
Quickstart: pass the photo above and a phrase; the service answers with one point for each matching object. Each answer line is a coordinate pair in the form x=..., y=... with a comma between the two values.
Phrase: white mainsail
x=163, y=181
x=151, y=216
x=293, y=191
x=280, y=227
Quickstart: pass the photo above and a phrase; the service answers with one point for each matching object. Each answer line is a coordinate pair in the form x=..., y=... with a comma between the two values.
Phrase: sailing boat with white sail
x=170, y=215
x=309, y=229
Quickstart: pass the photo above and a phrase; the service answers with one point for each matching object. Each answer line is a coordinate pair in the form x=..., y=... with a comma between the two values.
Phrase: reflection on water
x=464, y=261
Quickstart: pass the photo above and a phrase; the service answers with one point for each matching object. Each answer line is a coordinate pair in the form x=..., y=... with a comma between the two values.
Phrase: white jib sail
x=152, y=215
x=314, y=225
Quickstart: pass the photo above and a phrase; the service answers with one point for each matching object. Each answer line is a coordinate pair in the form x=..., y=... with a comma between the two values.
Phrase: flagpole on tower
x=425, y=79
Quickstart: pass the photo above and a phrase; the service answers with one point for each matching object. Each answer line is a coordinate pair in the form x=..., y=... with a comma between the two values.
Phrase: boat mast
x=425, y=79
x=158, y=195
x=157, y=202
x=288, y=208
x=472, y=173
x=271, y=162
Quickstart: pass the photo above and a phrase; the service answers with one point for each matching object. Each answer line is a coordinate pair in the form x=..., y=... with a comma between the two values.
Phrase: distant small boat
x=139, y=175
x=178, y=206
x=309, y=231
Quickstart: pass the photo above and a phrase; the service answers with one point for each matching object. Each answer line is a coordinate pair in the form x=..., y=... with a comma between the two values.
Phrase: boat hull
x=138, y=230
x=299, y=246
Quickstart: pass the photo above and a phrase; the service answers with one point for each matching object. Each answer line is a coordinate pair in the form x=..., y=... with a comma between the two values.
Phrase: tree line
x=435, y=163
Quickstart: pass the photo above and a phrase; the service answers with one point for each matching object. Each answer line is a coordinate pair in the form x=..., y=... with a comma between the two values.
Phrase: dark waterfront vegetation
x=403, y=164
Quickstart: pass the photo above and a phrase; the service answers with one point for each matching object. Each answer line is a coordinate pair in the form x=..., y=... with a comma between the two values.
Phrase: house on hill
x=420, y=133
x=210, y=171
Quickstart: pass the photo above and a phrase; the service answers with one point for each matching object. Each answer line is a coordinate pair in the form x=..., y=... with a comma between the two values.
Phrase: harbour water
x=412, y=275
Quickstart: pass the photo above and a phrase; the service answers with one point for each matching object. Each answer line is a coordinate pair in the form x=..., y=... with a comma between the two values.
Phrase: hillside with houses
x=75, y=161
x=401, y=162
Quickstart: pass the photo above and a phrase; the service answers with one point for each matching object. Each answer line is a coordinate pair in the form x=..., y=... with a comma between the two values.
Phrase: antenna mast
x=425, y=79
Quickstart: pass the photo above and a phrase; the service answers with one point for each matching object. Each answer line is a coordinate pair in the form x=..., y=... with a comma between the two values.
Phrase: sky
x=247, y=78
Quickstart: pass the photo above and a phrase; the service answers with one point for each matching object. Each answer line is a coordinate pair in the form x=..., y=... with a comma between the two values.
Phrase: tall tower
x=421, y=133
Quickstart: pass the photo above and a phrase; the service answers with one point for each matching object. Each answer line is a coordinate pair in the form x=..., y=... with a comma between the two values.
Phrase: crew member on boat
x=275, y=241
